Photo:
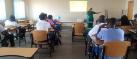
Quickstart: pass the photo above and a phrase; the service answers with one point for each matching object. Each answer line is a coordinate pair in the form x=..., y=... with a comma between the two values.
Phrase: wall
x=61, y=8
x=114, y=7
x=54, y=7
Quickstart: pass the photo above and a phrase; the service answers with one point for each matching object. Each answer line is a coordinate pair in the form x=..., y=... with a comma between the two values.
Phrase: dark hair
x=42, y=16
x=90, y=9
x=112, y=21
x=101, y=19
x=12, y=18
x=50, y=17
x=124, y=20
x=135, y=16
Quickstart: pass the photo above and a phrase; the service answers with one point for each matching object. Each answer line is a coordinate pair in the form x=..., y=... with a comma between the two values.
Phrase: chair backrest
x=79, y=28
x=39, y=35
x=116, y=49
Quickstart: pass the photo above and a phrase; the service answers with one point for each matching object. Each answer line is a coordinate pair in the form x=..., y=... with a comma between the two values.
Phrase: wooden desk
x=21, y=52
x=133, y=31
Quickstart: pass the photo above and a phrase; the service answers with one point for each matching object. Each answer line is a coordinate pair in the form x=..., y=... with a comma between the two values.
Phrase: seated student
x=100, y=22
x=54, y=23
x=57, y=24
x=112, y=33
x=125, y=21
x=42, y=24
x=135, y=17
x=12, y=22
x=50, y=20
x=57, y=20
x=8, y=38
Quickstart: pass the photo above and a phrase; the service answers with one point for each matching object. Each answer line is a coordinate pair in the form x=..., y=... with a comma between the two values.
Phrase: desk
x=133, y=31
x=21, y=52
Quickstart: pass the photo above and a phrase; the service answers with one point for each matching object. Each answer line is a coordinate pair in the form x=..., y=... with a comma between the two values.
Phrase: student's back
x=11, y=22
x=42, y=24
x=112, y=34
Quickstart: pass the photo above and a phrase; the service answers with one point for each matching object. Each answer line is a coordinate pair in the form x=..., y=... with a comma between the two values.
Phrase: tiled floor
x=68, y=49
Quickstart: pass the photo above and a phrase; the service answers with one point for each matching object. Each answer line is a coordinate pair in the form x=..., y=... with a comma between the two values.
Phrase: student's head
x=102, y=19
x=90, y=9
x=50, y=17
x=135, y=16
x=43, y=16
x=111, y=22
x=12, y=18
x=125, y=21
x=124, y=17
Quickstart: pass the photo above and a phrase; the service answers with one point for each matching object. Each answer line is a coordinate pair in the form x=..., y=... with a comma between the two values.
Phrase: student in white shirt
x=12, y=22
x=42, y=24
x=8, y=38
x=100, y=22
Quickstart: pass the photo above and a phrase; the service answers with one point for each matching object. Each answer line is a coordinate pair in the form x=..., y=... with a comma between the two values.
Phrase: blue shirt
x=111, y=34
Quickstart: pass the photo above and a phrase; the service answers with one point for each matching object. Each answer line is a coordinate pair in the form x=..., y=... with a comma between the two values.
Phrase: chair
x=116, y=49
x=78, y=30
x=41, y=38
x=21, y=34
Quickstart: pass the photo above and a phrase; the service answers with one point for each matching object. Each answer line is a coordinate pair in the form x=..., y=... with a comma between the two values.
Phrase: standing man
x=90, y=17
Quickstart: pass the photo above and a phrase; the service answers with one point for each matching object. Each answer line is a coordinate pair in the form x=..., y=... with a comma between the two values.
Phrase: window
x=2, y=10
x=78, y=6
x=19, y=9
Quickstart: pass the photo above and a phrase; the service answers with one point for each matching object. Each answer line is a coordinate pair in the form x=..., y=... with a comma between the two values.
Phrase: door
x=130, y=9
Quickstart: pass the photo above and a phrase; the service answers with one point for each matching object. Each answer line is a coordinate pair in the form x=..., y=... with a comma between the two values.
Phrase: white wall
x=61, y=8
x=54, y=7
x=114, y=7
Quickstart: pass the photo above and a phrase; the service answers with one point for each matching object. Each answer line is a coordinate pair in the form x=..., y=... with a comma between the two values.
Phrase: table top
x=23, y=52
x=9, y=27
x=132, y=30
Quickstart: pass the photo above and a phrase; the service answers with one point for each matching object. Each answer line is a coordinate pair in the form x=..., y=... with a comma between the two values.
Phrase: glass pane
x=19, y=8
x=2, y=10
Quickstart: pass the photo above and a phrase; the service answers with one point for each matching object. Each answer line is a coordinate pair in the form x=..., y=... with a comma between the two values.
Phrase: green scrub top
x=90, y=18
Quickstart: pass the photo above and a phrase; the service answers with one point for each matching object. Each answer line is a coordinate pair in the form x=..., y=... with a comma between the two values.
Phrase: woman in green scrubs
x=90, y=17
